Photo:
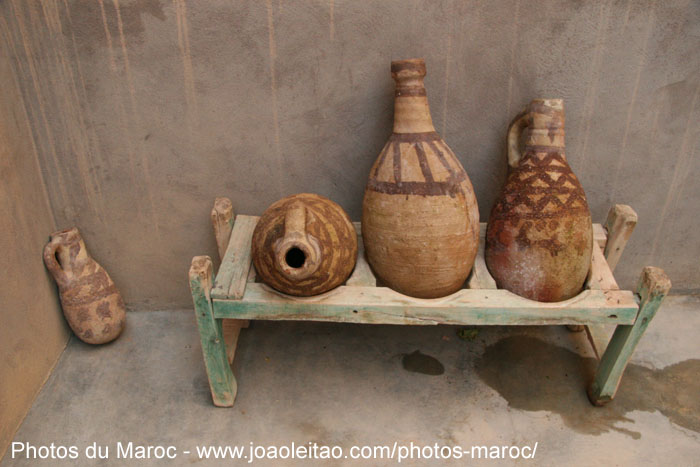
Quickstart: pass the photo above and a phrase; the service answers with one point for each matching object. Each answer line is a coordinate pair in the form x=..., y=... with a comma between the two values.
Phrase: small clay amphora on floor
x=91, y=302
x=420, y=220
x=304, y=244
x=539, y=235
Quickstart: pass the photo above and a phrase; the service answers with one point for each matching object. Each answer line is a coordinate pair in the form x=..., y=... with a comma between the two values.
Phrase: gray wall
x=143, y=111
x=32, y=330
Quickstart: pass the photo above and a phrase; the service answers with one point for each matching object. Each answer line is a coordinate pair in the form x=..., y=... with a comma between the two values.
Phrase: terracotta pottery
x=539, y=235
x=91, y=302
x=420, y=220
x=304, y=245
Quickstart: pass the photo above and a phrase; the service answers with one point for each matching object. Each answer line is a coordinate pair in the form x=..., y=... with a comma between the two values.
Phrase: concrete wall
x=143, y=111
x=32, y=330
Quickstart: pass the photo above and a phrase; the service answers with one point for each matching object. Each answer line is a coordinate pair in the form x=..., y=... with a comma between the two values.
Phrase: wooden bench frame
x=224, y=305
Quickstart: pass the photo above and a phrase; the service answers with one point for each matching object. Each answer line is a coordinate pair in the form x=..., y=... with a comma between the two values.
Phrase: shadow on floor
x=534, y=375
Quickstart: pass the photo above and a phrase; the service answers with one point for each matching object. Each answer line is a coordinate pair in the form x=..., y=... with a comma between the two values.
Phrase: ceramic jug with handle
x=91, y=303
x=539, y=235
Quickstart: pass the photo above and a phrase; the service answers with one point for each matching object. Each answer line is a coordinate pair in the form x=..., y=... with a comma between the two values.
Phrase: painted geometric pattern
x=541, y=187
x=419, y=164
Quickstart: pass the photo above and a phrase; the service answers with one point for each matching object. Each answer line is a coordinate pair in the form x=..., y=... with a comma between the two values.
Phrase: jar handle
x=306, y=255
x=52, y=264
x=515, y=129
x=295, y=221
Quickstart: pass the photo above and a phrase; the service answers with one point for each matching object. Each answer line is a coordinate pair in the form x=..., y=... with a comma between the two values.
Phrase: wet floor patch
x=418, y=362
x=534, y=375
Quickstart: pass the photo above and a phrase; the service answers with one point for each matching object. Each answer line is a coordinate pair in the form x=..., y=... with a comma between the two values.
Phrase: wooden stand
x=225, y=304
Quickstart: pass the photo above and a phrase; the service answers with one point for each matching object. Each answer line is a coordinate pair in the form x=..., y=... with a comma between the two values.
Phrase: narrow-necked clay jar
x=420, y=220
x=539, y=236
x=304, y=245
x=91, y=302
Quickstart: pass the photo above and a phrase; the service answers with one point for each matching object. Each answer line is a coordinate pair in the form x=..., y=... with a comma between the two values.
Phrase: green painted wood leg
x=653, y=287
x=221, y=380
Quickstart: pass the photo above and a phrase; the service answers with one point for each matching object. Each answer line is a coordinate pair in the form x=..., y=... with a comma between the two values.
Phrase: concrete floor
x=348, y=385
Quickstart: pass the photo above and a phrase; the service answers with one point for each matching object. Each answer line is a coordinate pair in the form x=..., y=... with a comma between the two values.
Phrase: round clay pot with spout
x=91, y=302
x=420, y=219
x=304, y=245
x=539, y=236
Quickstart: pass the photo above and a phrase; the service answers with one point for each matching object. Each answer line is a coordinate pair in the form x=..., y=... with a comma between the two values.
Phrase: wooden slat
x=600, y=278
x=252, y=275
x=480, y=277
x=221, y=380
x=362, y=275
x=653, y=287
x=231, y=329
x=467, y=306
x=231, y=280
x=599, y=336
x=600, y=236
x=222, y=221
x=620, y=223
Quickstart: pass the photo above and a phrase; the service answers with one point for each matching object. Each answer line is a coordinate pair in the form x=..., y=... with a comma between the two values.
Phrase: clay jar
x=420, y=220
x=91, y=302
x=304, y=244
x=539, y=236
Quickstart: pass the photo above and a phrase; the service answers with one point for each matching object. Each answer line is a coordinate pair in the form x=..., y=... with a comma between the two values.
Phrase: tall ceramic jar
x=420, y=220
x=304, y=244
x=91, y=302
x=539, y=235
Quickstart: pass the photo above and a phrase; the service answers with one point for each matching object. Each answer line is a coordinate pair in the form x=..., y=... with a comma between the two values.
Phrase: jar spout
x=297, y=253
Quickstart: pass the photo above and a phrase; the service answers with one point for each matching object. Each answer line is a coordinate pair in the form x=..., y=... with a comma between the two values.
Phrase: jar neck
x=412, y=115
x=547, y=137
x=72, y=254
x=546, y=126
x=411, y=109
